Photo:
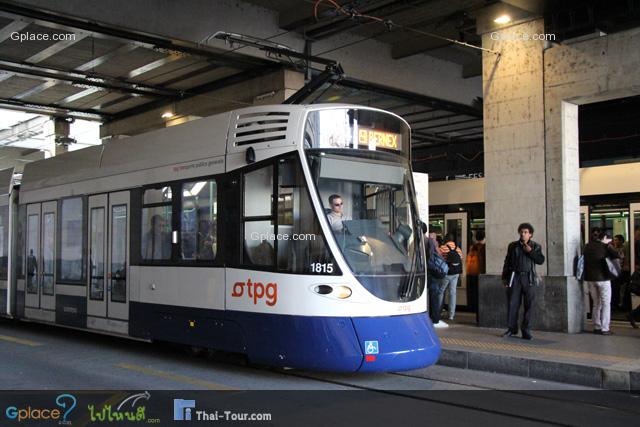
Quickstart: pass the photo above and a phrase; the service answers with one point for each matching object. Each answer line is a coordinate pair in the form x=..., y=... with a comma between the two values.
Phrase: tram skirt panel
x=397, y=343
x=303, y=342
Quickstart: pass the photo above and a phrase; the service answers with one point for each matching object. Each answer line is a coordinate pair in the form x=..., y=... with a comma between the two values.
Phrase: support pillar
x=527, y=180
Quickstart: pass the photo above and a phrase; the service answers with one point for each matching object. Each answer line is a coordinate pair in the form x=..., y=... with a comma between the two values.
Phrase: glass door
x=32, y=295
x=118, y=257
x=584, y=226
x=634, y=238
x=108, y=261
x=97, y=277
x=48, y=256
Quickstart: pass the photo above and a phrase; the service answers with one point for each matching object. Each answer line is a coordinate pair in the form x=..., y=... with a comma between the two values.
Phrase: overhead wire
x=390, y=25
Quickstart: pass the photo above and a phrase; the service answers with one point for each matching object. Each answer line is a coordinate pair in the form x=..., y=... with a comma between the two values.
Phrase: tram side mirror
x=250, y=155
x=423, y=226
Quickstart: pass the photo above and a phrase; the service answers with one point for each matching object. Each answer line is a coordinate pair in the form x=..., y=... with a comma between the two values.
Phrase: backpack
x=454, y=261
x=437, y=266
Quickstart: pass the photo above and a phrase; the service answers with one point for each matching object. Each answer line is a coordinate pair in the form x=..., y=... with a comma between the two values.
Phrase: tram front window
x=371, y=210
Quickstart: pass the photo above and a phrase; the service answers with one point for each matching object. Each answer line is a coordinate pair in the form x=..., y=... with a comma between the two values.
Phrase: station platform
x=609, y=362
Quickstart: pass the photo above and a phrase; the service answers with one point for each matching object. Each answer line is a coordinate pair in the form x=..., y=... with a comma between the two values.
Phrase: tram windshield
x=371, y=209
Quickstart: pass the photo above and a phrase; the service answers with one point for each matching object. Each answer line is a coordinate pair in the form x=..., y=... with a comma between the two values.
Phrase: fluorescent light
x=194, y=190
x=502, y=19
x=197, y=187
x=167, y=115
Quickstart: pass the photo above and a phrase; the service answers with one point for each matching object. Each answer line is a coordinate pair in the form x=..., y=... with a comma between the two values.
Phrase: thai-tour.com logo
x=182, y=409
x=185, y=410
x=59, y=411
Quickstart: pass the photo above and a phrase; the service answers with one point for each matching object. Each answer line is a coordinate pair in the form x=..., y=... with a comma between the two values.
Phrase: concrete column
x=56, y=133
x=514, y=149
x=526, y=179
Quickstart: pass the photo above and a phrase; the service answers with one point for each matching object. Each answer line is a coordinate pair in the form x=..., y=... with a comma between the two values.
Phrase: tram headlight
x=336, y=291
x=342, y=292
x=323, y=289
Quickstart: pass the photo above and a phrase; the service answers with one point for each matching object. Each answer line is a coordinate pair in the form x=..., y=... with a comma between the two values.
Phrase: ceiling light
x=502, y=19
x=167, y=115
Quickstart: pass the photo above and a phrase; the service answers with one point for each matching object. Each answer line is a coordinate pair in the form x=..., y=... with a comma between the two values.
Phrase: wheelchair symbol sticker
x=371, y=347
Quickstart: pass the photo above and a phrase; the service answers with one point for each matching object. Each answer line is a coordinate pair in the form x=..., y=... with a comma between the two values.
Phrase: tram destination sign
x=374, y=139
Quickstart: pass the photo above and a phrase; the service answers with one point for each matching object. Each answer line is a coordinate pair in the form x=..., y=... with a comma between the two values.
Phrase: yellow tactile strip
x=533, y=350
x=19, y=341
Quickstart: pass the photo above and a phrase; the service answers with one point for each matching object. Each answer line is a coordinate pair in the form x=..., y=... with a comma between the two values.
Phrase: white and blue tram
x=219, y=233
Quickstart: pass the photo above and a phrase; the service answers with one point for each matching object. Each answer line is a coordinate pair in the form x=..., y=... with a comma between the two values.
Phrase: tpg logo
x=182, y=409
x=256, y=291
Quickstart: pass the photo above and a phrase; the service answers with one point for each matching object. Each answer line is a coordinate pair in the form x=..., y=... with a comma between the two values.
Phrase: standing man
x=519, y=277
x=596, y=275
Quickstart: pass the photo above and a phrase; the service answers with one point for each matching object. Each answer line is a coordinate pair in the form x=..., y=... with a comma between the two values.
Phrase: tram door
x=40, y=259
x=456, y=223
x=108, y=262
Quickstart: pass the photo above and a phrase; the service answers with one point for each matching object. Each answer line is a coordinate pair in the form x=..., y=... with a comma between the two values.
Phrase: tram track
x=513, y=401
x=536, y=395
x=407, y=394
x=414, y=394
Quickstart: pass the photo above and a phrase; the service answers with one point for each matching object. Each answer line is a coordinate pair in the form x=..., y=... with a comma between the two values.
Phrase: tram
x=288, y=233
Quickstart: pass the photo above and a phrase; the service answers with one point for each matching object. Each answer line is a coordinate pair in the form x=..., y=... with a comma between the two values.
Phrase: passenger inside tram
x=32, y=271
x=335, y=216
x=156, y=242
x=206, y=240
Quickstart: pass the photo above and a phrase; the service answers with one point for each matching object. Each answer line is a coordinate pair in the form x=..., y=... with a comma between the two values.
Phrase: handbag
x=613, y=265
x=580, y=268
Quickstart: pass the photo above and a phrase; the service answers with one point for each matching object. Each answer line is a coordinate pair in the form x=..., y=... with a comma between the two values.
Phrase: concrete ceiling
x=82, y=69
x=453, y=19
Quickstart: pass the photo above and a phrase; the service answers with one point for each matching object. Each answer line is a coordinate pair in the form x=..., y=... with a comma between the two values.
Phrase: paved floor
x=37, y=357
x=623, y=347
x=45, y=357
x=609, y=362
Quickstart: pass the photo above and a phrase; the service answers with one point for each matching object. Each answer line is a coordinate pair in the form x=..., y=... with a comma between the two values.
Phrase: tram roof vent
x=254, y=128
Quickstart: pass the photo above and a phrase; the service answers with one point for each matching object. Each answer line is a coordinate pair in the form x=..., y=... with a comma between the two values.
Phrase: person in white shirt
x=336, y=217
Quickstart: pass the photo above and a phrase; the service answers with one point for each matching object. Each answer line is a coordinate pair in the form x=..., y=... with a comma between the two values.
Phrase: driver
x=336, y=217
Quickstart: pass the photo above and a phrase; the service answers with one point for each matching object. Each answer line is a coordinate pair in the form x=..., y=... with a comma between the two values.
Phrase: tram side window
x=4, y=241
x=302, y=247
x=71, y=241
x=156, y=224
x=198, y=221
x=258, y=217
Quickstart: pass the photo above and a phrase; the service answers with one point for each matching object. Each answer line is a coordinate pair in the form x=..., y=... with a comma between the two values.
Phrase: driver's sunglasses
x=337, y=204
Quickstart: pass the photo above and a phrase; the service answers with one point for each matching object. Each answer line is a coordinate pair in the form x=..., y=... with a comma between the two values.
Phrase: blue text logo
x=182, y=409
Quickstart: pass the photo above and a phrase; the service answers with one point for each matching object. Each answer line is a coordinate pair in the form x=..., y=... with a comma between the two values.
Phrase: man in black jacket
x=596, y=274
x=519, y=277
